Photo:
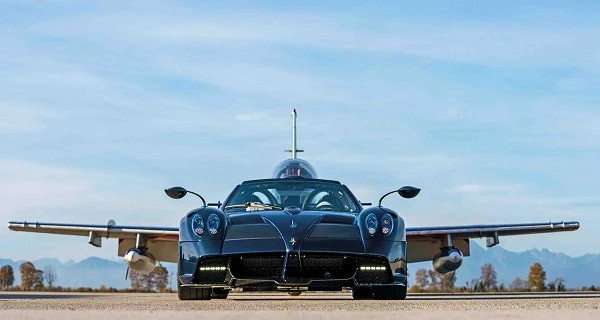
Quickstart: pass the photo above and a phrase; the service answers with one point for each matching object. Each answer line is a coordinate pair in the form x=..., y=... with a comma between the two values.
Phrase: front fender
x=192, y=247
x=392, y=246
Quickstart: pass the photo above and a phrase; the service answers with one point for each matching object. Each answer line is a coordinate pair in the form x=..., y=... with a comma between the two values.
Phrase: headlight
x=387, y=224
x=198, y=224
x=213, y=224
x=371, y=223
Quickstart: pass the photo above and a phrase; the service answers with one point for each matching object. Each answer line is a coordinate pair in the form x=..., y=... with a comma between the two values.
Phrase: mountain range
x=90, y=272
x=579, y=271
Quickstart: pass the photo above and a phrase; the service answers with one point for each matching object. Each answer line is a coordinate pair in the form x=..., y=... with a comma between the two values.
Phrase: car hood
x=291, y=226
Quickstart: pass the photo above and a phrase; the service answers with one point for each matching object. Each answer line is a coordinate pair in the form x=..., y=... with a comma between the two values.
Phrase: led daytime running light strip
x=372, y=268
x=213, y=268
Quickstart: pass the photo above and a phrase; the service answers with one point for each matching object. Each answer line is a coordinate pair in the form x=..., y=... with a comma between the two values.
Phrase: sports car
x=293, y=234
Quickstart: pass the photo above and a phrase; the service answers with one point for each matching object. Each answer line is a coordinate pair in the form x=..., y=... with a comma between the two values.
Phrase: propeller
x=126, y=273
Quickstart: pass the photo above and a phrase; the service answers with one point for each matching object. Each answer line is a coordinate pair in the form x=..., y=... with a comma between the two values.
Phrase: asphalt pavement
x=66, y=306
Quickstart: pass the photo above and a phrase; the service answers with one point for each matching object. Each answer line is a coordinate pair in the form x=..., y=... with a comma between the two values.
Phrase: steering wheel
x=306, y=203
x=324, y=206
x=327, y=202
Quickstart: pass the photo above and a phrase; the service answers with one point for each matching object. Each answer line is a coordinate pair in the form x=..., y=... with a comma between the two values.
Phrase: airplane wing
x=424, y=242
x=160, y=241
x=103, y=231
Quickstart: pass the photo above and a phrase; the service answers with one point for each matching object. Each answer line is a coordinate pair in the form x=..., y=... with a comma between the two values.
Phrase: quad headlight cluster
x=213, y=223
x=372, y=224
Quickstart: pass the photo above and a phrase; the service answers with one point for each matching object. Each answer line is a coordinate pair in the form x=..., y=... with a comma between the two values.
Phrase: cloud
x=527, y=44
x=480, y=188
x=249, y=116
x=460, y=42
x=48, y=191
x=18, y=118
x=470, y=188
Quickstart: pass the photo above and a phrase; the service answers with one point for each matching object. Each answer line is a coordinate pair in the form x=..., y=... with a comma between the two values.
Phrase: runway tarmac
x=66, y=306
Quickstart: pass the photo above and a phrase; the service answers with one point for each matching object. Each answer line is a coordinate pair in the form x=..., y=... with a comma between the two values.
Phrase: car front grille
x=328, y=267
x=257, y=266
x=298, y=268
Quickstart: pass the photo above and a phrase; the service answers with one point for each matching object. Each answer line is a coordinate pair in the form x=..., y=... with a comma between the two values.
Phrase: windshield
x=306, y=195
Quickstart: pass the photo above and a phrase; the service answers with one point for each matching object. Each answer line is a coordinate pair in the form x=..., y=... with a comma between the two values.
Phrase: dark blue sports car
x=293, y=233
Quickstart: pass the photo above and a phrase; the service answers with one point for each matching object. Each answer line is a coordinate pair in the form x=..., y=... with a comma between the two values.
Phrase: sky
x=492, y=108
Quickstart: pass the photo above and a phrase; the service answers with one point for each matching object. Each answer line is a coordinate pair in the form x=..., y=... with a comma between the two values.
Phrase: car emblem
x=293, y=224
x=293, y=241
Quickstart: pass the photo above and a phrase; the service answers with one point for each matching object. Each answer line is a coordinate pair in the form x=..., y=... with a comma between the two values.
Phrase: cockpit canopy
x=294, y=167
x=308, y=195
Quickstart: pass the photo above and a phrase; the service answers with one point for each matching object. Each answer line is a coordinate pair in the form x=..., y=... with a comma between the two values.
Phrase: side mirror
x=176, y=192
x=408, y=192
x=180, y=192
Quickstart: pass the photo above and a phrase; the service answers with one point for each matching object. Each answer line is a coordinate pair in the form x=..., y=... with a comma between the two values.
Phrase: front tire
x=191, y=293
x=390, y=293
x=362, y=293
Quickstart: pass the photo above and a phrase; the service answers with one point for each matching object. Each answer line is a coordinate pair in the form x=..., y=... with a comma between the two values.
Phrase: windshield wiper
x=257, y=205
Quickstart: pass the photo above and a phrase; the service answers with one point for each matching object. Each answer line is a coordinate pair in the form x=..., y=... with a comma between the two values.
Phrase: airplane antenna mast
x=294, y=149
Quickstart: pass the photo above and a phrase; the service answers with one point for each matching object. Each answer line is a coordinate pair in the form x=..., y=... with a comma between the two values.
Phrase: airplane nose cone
x=454, y=257
x=132, y=256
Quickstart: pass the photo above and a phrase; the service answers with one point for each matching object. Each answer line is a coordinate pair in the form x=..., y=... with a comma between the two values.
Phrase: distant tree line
x=33, y=279
x=431, y=281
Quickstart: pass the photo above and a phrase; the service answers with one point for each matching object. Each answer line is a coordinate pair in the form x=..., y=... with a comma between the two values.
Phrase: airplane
x=292, y=232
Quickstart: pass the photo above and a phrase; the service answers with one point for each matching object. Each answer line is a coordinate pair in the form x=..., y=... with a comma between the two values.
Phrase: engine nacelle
x=139, y=262
x=448, y=260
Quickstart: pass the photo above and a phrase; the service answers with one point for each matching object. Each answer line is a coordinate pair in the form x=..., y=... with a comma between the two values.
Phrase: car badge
x=293, y=241
x=293, y=224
